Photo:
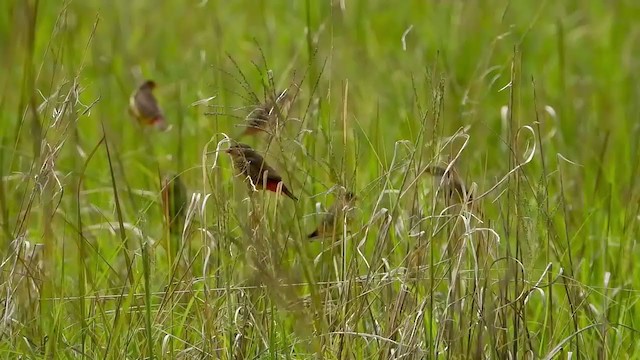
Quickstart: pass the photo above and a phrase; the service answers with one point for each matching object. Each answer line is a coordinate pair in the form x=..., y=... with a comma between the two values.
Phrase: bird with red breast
x=143, y=106
x=252, y=165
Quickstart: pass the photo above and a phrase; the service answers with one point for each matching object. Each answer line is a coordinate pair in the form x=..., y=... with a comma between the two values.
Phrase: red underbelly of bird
x=272, y=186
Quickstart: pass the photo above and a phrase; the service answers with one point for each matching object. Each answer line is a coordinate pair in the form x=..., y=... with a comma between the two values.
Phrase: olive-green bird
x=333, y=220
x=265, y=117
x=453, y=185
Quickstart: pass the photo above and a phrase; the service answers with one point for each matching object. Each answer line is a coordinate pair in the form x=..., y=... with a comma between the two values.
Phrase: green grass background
x=385, y=89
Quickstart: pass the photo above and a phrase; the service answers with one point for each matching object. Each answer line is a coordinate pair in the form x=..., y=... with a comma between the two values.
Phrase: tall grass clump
x=491, y=148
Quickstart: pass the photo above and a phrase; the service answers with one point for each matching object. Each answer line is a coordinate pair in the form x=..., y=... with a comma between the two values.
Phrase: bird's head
x=149, y=84
x=237, y=149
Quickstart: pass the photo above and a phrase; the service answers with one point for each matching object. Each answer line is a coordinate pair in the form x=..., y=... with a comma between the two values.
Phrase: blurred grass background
x=542, y=95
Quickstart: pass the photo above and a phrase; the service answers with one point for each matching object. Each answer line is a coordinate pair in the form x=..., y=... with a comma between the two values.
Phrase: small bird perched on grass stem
x=265, y=117
x=249, y=163
x=334, y=218
x=453, y=185
x=144, y=107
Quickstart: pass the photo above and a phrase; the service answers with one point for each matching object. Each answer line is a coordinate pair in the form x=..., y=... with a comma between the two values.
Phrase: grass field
x=534, y=104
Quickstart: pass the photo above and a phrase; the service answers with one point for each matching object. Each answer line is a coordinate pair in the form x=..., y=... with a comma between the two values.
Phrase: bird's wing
x=254, y=170
x=436, y=170
x=272, y=175
x=147, y=105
